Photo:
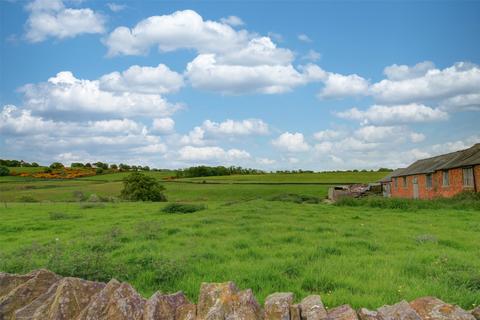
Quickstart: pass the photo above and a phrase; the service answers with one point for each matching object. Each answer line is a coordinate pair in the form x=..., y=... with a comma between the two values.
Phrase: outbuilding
x=441, y=176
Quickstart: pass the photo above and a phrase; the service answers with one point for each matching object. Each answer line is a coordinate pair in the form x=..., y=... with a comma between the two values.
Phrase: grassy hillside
x=365, y=257
x=366, y=254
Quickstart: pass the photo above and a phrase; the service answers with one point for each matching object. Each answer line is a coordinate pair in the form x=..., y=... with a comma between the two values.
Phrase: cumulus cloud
x=433, y=85
x=156, y=80
x=328, y=134
x=234, y=21
x=179, y=30
x=50, y=18
x=380, y=114
x=64, y=93
x=403, y=72
x=163, y=125
x=388, y=134
x=340, y=86
x=191, y=153
x=291, y=142
x=206, y=73
x=232, y=127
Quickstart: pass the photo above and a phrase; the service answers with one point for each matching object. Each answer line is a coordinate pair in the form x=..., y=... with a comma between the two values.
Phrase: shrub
x=139, y=187
x=4, y=171
x=99, y=170
x=56, y=165
x=91, y=205
x=79, y=195
x=183, y=208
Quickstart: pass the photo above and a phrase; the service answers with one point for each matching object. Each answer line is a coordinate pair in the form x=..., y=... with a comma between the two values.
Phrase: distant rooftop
x=462, y=158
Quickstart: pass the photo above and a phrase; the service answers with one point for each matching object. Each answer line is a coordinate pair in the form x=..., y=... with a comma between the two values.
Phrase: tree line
x=206, y=171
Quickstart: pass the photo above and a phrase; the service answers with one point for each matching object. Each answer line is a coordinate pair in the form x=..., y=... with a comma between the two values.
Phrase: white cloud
x=155, y=80
x=20, y=122
x=151, y=148
x=163, y=125
x=467, y=102
x=50, y=18
x=234, y=21
x=266, y=161
x=304, y=38
x=389, y=134
x=115, y=7
x=190, y=153
x=340, y=86
x=65, y=94
x=417, y=137
x=312, y=55
x=206, y=73
x=403, y=72
x=179, y=30
x=328, y=135
x=460, y=79
x=231, y=127
x=291, y=142
x=378, y=114
x=196, y=137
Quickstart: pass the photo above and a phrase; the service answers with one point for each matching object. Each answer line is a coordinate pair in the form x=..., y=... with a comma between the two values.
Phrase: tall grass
x=463, y=201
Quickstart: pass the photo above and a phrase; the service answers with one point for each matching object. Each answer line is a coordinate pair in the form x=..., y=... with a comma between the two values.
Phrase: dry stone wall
x=43, y=295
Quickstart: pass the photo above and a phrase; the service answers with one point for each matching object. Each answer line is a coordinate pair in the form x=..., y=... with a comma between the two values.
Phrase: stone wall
x=43, y=295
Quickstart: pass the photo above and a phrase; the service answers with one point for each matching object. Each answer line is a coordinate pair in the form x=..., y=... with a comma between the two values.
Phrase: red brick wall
x=438, y=189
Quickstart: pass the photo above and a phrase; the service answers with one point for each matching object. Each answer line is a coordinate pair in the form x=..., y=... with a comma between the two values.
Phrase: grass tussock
x=463, y=201
x=182, y=208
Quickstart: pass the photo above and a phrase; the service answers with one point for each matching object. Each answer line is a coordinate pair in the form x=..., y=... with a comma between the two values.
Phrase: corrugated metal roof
x=388, y=177
x=462, y=158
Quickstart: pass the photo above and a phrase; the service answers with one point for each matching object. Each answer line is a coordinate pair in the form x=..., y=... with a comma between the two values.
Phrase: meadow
x=365, y=255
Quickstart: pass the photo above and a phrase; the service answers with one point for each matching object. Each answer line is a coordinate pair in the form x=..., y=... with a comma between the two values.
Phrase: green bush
x=4, y=171
x=57, y=165
x=183, y=208
x=139, y=187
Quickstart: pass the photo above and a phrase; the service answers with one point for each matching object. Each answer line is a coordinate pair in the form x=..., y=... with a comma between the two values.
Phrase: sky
x=273, y=85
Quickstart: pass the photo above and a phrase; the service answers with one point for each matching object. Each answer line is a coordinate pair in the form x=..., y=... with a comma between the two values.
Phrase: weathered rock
x=277, y=306
x=64, y=300
x=295, y=312
x=399, y=311
x=163, y=306
x=344, y=312
x=186, y=312
x=225, y=301
x=312, y=308
x=476, y=313
x=429, y=308
x=115, y=302
x=365, y=314
x=8, y=281
x=40, y=281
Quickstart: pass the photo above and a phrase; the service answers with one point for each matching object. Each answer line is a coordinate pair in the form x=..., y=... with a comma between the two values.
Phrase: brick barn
x=440, y=176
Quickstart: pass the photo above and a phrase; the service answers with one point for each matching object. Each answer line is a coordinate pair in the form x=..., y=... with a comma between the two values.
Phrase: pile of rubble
x=43, y=295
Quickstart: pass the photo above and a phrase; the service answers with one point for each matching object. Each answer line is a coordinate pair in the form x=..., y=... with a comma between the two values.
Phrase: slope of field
x=362, y=256
x=320, y=178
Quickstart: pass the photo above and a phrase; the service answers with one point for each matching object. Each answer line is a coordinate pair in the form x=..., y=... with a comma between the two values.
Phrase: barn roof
x=387, y=178
x=462, y=158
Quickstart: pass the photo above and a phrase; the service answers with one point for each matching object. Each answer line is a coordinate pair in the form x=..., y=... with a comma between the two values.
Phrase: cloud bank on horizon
x=189, y=90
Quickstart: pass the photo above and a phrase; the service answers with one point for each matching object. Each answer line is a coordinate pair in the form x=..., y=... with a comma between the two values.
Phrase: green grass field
x=349, y=254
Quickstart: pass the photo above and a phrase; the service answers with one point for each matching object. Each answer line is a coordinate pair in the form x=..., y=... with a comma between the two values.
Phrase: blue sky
x=271, y=85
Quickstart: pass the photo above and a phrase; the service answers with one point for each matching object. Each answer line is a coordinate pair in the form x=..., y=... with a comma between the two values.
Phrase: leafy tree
x=34, y=164
x=139, y=187
x=99, y=170
x=113, y=166
x=4, y=171
x=77, y=165
x=56, y=165
x=88, y=165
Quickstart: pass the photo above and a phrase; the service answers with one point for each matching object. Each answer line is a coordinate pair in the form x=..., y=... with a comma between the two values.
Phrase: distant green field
x=323, y=177
x=361, y=255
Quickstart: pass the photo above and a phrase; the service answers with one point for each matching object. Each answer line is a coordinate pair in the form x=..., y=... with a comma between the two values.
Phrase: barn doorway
x=415, y=188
